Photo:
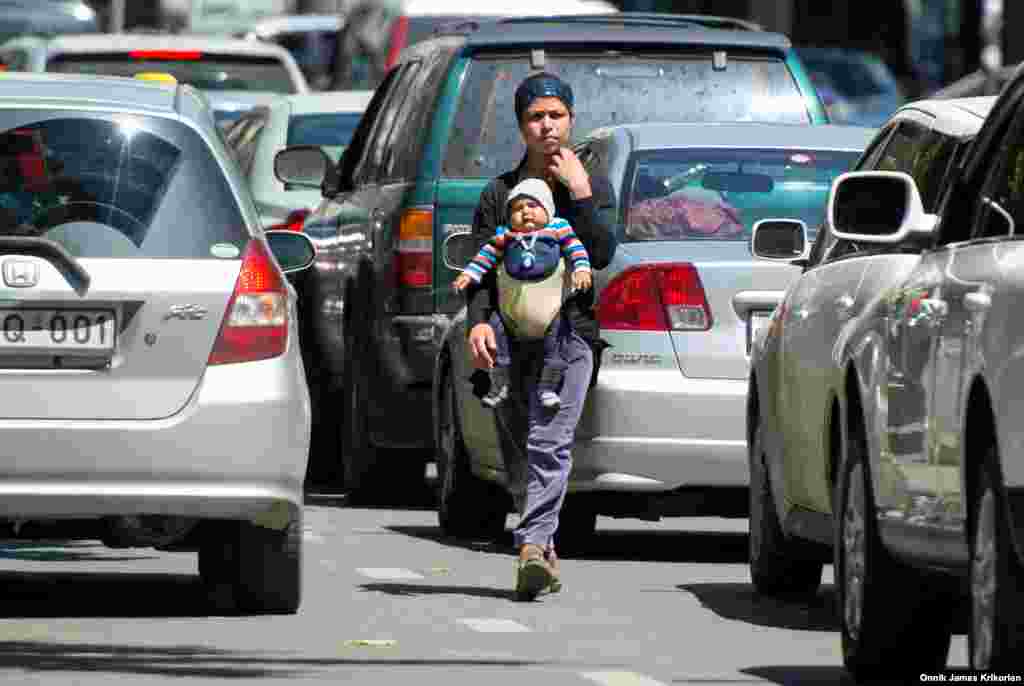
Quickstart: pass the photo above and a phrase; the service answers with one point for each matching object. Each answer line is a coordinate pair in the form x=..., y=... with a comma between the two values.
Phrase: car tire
x=468, y=506
x=779, y=565
x=880, y=601
x=269, y=569
x=997, y=603
x=577, y=523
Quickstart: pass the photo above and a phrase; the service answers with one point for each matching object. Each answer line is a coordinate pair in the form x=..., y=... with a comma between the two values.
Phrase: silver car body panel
x=154, y=433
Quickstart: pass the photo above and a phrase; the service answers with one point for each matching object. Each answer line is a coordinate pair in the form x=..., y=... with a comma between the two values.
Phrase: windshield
x=114, y=187
x=682, y=195
x=207, y=72
x=332, y=132
x=613, y=90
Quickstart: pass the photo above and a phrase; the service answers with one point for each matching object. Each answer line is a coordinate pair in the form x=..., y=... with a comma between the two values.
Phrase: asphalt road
x=388, y=600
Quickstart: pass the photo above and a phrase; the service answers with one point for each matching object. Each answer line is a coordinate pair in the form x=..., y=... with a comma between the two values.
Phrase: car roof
x=123, y=42
x=509, y=8
x=74, y=91
x=669, y=135
x=284, y=23
x=954, y=116
x=333, y=101
x=607, y=29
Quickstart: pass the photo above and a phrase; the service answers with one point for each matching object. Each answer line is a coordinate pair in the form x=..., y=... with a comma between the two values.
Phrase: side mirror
x=294, y=251
x=781, y=240
x=880, y=207
x=458, y=249
x=302, y=166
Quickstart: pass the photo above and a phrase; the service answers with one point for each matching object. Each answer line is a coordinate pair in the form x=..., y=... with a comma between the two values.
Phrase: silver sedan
x=663, y=430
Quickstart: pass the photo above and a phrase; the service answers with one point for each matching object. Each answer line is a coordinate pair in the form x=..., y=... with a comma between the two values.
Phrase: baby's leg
x=498, y=392
x=550, y=385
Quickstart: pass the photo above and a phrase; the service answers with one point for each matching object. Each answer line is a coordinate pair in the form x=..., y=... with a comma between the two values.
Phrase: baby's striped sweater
x=558, y=230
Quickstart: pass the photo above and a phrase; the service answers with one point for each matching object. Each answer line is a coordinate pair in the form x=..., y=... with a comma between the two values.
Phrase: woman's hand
x=567, y=168
x=482, y=346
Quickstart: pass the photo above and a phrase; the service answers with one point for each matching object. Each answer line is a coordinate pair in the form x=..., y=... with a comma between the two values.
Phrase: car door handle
x=977, y=302
x=843, y=305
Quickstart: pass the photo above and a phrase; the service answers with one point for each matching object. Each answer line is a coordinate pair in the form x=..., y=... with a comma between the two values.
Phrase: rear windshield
x=332, y=132
x=121, y=186
x=204, y=71
x=614, y=90
x=685, y=195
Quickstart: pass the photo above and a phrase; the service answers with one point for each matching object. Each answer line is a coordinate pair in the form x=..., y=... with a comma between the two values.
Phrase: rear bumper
x=237, y=450
x=657, y=431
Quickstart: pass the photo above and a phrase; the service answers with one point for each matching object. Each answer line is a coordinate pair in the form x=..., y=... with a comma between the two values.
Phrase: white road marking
x=620, y=679
x=389, y=574
x=495, y=626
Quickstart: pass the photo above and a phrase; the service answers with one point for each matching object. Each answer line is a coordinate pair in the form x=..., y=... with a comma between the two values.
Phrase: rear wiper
x=54, y=253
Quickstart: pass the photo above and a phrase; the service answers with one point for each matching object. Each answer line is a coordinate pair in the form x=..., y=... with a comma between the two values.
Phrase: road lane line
x=389, y=573
x=495, y=626
x=620, y=679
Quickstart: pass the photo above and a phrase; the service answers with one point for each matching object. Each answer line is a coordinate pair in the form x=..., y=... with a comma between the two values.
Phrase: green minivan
x=378, y=302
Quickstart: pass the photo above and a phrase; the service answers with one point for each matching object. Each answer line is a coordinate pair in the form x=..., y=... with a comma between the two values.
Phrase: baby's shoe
x=549, y=386
x=498, y=392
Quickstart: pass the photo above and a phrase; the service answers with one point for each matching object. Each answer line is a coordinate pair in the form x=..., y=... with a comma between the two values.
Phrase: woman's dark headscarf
x=542, y=85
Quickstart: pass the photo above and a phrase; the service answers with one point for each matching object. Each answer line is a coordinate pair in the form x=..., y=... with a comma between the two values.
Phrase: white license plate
x=758, y=321
x=56, y=331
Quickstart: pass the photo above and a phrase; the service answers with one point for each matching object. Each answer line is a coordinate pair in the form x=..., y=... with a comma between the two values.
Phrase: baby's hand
x=581, y=281
x=461, y=282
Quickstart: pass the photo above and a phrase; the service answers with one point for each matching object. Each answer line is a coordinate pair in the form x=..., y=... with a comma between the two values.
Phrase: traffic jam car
x=662, y=431
x=796, y=389
x=129, y=385
x=379, y=295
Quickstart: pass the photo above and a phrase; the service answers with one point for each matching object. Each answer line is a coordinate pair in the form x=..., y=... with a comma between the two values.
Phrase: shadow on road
x=787, y=675
x=119, y=594
x=634, y=546
x=194, y=661
x=740, y=602
x=412, y=590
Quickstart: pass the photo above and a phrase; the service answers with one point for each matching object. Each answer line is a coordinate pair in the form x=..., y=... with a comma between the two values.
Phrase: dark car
x=439, y=127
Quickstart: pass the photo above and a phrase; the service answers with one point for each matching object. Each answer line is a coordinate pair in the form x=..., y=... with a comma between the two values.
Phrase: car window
x=923, y=153
x=313, y=51
x=409, y=97
x=1001, y=209
x=331, y=132
x=202, y=70
x=106, y=187
x=408, y=141
x=612, y=89
x=719, y=194
x=247, y=144
x=14, y=60
x=869, y=160
x=371, y=168
x=349, y=166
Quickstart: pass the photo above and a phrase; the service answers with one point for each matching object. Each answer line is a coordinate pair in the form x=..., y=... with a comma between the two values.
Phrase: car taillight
x=255, y=325
x=293, y=222
x=399, y=35
x=414, y=255
x=165, y=54
x=655, y=297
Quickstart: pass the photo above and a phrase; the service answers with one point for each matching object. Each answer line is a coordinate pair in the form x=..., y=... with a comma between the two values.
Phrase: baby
x=531, y=285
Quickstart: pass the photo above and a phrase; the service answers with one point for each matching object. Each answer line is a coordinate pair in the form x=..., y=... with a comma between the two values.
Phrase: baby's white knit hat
x=537, y=189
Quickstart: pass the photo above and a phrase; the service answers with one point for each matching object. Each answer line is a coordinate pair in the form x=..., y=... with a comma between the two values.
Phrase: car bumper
x=237, y=450
x=660, y=431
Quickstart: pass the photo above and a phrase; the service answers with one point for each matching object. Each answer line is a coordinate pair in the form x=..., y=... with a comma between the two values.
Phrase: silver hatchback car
x=662, y=432
x=149, y=364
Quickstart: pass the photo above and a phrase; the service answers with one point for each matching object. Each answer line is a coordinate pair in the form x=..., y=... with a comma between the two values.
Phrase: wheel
x=778, y=565
x=996, y=600
x=357, y=453
x=270, y=568
x=882, y=602
x=468, y=507
x=253, y=569
x=577, y=523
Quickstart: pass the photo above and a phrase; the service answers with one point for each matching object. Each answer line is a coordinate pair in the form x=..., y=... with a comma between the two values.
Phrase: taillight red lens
x=414, y=254
x=293, y=222
x=655, y=297
x=165, y=54
x=255, y=325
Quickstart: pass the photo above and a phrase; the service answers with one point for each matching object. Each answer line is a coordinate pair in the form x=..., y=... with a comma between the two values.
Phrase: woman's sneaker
x=549, y=386
x=533, y=573
x=498, y=392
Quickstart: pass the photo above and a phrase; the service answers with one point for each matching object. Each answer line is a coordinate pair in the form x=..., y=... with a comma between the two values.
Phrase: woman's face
x=546, y=125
